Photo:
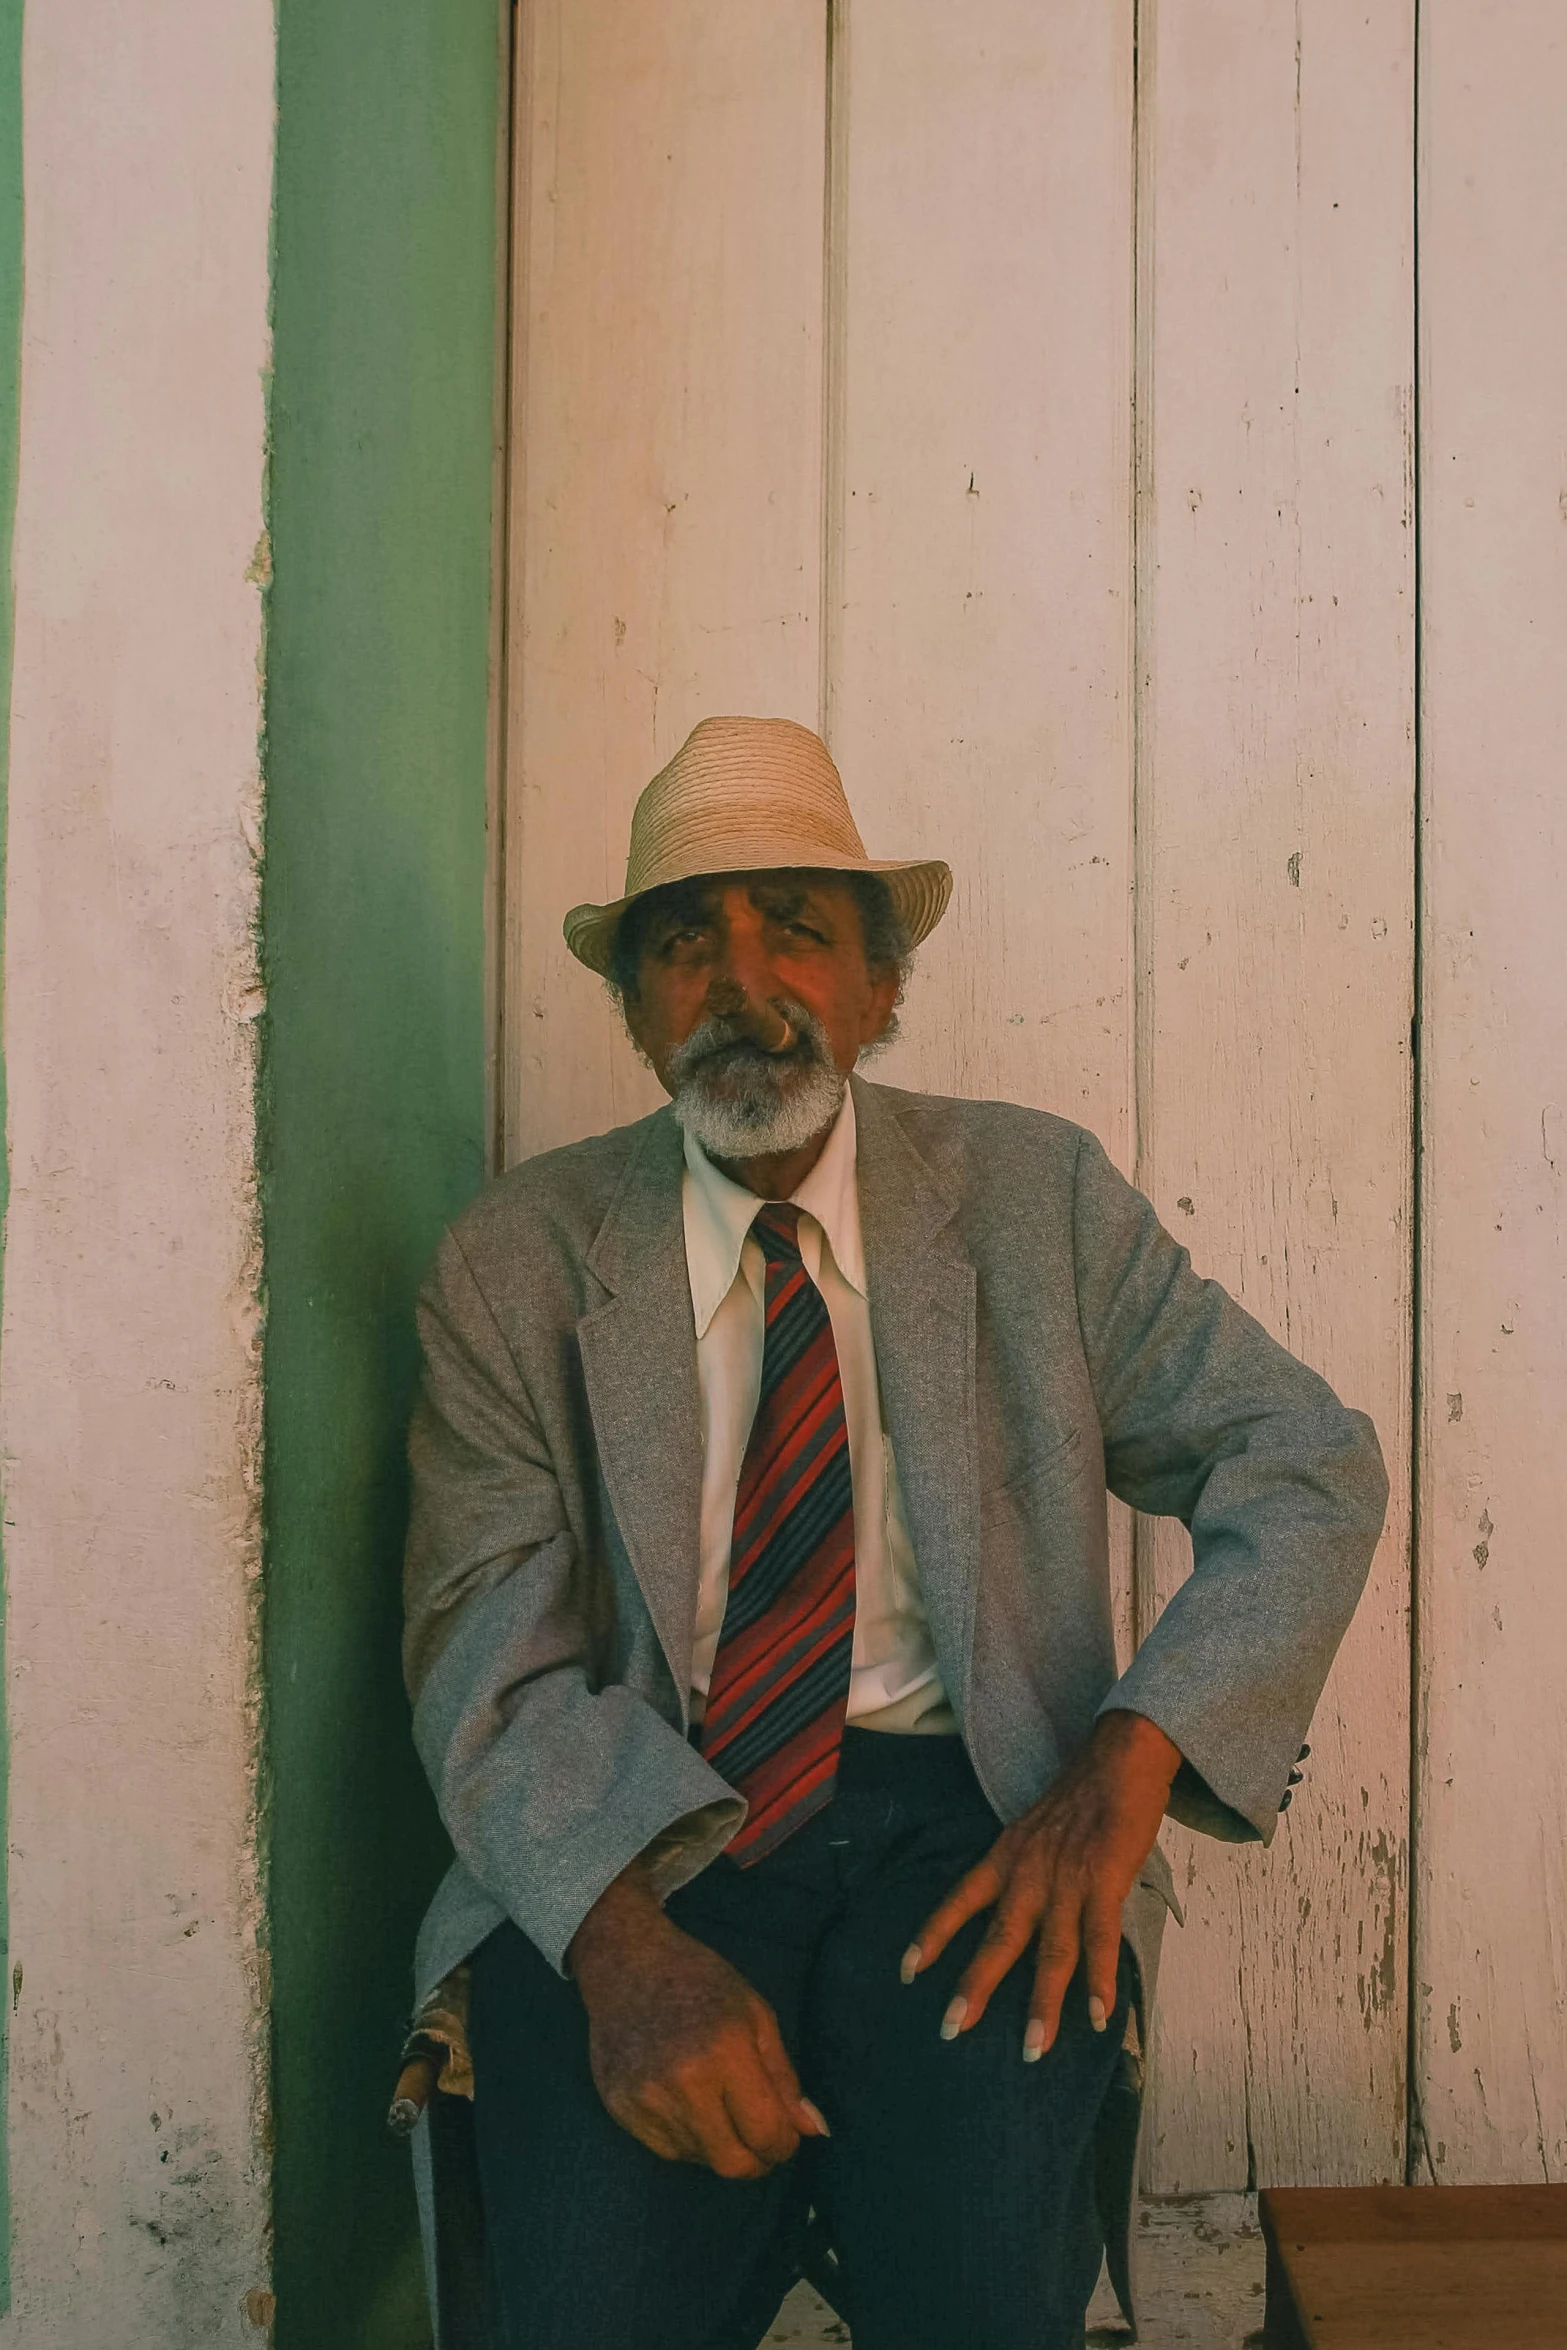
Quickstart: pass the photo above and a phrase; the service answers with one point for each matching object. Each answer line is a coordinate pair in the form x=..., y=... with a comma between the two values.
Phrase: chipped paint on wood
x=976, y=631
x=131, y=1405
x=1168, y=742
x=1275, y=928
x=1490, y=2010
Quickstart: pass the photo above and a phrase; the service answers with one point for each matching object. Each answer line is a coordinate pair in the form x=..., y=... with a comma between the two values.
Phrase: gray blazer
x=1040, y=1338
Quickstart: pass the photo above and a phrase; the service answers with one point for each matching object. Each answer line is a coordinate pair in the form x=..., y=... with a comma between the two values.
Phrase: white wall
x=1275, y=932
x=1490, y=2016
x=1079, y=512
x=669, y=205
x=131, y=1391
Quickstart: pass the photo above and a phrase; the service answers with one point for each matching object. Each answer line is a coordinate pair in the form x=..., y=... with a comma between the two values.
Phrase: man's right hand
x=685, y=2054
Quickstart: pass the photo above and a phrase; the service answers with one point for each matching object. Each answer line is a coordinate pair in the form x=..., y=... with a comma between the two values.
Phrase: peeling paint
x=132, y=1398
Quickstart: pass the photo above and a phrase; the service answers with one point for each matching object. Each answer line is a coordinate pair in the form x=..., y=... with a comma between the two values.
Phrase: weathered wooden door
x=1026, y=395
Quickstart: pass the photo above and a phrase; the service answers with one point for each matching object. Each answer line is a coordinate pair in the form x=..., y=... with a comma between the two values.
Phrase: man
x=759, y=1626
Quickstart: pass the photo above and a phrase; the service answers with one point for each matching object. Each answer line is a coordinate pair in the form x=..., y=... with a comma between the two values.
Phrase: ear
x=633, y=1010
x=880, y=1002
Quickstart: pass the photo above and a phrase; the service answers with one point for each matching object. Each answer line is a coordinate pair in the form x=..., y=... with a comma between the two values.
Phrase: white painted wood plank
x=667, y=464
x=977, y=682
x=1275, y=809
x=978, y=698
x=137, y=2055
x=1490, y=2032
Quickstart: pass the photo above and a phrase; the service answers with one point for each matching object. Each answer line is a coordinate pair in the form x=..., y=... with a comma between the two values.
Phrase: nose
x=753, y=1015
x=741, y=986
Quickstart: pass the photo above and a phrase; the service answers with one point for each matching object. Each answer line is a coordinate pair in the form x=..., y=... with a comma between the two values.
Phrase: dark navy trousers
x=958, y=2181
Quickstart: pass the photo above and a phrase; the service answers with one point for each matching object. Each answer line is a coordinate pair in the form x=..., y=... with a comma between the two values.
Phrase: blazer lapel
x=639, y=1362
x=922, y=1298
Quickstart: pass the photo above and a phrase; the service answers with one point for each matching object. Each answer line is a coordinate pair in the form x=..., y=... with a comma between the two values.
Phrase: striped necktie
x=780, y=1685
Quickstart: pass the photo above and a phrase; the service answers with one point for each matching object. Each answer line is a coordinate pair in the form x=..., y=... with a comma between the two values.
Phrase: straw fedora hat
x=747, y=795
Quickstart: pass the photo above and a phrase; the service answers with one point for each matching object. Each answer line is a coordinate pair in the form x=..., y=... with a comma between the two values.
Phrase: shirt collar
x=719, y=1213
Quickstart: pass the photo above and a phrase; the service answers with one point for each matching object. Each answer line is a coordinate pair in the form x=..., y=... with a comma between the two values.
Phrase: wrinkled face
x=753, y=1001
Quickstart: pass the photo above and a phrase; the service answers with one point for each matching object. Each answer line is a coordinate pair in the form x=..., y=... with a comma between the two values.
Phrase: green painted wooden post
x=374, y=1076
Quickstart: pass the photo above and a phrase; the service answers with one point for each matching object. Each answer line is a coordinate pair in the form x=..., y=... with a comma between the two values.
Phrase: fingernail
x=818, y=2119
x=909, y=1966
x=1096, y=2014
x=1033, y=2041
x=952, y=2021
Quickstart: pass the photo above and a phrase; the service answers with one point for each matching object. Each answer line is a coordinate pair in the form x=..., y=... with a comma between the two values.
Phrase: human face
x=754, y=1001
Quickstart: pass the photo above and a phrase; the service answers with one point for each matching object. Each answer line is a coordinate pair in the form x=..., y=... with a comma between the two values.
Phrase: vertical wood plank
x=979, y=704
x=1274, y=825
x=666, y=486
x=1490, y=2012
x=978, y=558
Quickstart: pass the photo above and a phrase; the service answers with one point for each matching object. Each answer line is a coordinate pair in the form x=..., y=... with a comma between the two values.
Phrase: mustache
x=730, y=1036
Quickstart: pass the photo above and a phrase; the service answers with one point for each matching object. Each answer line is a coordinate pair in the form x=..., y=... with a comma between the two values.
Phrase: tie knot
x=777, y=1228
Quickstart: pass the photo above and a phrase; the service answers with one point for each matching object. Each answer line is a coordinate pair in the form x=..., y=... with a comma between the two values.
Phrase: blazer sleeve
x=1281, y=1487
x=548, y=1777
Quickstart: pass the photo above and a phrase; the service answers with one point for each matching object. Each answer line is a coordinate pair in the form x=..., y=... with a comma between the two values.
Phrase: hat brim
x=920, y=889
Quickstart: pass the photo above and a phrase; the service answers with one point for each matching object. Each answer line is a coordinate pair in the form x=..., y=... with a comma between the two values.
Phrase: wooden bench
x=1415, y=2268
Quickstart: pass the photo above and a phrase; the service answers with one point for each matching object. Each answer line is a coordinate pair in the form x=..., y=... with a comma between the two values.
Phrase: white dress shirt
x=894, y=1683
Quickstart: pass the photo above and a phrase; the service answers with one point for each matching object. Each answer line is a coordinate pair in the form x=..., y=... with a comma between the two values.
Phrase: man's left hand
x=1061, y=1871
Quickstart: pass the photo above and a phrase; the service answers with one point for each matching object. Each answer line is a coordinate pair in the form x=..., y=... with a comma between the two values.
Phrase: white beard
x=761, y=1106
